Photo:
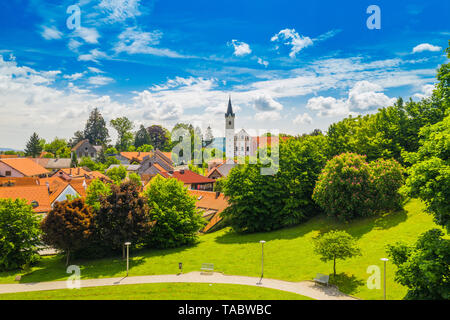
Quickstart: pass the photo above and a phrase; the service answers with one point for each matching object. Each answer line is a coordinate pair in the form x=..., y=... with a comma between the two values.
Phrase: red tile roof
x=29, y=193
x=25, y=166
x=187, y=177
x=135, y=155
x=210, y=201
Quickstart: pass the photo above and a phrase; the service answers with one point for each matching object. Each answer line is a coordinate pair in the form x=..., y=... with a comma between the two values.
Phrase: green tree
x=95, y=191
x=159, y=137
x=123, y=127
x=142, y=137
x=74, y=160
x=173, y=210
x=123, y=216
x=19, y=234
x=34, y=146
x=135, y=178
x=209, y=137
x=336, y=245
x=145, y=148
x=77, y=137
x=424, y=267
x=95, y=130
x=58, y=147
x=68, y=226
x=429, y=176
x=117, y=174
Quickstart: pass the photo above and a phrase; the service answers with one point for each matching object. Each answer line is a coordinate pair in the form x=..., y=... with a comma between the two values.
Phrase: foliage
x=77, y=137
x=34, y=146
x=58, y=147
x=173, y=210
x=95, y=191
x=142, y=137
x=159, y=137
x=429, y=176
x=74, y=160
x=219, y=184
x=424, y=268
x=111, y=150
x=336, y=245
x=145, y=148
x=89, y=163
x=123, y=216
x=135, y=178
x=349, y=187
x=123, y=127
x=68, y=226
x=19, y=234
x=117, y=174
x=95, y=130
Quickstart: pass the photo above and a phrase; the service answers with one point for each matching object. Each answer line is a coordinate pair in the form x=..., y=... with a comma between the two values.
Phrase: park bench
x=322, y=279
x=207, y=267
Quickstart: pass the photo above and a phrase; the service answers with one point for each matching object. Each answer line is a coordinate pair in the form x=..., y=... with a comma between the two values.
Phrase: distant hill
x=7, y=149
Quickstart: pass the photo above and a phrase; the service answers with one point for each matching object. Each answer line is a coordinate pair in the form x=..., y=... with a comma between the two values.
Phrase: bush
x=94, y=191
x=117, y=174
x=19, y=234
x=349, y=187
x=173, y=211
x=68, y=226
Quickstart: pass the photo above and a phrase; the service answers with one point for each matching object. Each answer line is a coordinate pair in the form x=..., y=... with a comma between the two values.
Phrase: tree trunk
x=334, y=267
x=67, y=257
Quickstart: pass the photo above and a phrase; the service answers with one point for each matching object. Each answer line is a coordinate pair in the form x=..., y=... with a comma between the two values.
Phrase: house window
x=229, y=122
x=248, y=149
x=92, y=154
x=7, y=173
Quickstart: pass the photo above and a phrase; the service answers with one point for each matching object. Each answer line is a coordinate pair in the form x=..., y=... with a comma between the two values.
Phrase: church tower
x=229, y=133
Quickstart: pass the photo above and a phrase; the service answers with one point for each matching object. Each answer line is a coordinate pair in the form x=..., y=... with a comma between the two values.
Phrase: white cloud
x=363, y=96
x=50, y=33
x=263, y=62
x=74, y=44
x=89, y=35
x=265, y=102
x=74, y=76
x=93, y=55
x=155, y=109
x=100, y=80
x=240, y=48
x=95, y=70
x=267, y=116
x=426, y=47
x=120, y=10
x=293, y=39
x=303, y=119
x=426, y=91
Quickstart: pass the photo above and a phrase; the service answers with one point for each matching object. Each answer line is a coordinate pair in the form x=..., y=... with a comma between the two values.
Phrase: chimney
x=84, y=184
x=181, y=171
x=78, y=171
x=48, y=187
x=70, y=171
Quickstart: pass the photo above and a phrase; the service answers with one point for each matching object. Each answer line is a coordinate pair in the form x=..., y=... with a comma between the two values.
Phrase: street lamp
x=384, y=284
x=128, y=254
x=262, y=260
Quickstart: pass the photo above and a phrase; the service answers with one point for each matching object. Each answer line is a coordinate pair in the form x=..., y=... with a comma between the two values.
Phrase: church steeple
x=229, y=109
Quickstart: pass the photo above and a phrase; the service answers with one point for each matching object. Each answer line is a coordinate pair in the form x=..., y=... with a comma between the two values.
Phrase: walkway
x=305, y=288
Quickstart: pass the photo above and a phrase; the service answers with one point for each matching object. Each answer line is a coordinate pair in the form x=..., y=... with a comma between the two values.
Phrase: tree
x=429, y=176
x=68, y=226
x=111, y=151
x=424, y=267
x=58, y=147
x=34, y=146
x=95, y=191
x=117, y=174
x=209, y=137
x=74, y=160
x=77, y=137
x=135, y=178
x=349, y=187
x=19, y=234
x=95, y=130
x=123, y=127
x=145, y=148
x=159, y=137
x=123, y=216
x=336, y=245
x=173, y=210
x=142, y=137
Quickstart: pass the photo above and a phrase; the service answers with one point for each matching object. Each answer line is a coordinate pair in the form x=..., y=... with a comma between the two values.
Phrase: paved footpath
x=305, y=288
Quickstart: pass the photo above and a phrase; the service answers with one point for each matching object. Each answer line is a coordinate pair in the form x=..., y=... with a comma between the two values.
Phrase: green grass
x=288, y=254
x=160, y=291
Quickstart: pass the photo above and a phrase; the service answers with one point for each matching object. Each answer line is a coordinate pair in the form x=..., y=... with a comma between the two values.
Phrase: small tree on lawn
x=19, y=234
x=68, y=226
x=123, y=216
x=177, y=220
x=335, y=245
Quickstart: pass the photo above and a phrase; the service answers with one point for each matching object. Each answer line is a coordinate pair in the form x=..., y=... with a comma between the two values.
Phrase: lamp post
x=128, y=254
x=384, y=276
x=262, y=261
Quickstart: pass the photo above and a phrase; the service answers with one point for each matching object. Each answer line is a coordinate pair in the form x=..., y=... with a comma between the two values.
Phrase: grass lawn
x=160, y=291
x=288, y=254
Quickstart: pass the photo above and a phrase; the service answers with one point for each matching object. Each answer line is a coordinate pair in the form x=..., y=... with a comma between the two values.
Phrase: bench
x=207, y=267
x=322, y=279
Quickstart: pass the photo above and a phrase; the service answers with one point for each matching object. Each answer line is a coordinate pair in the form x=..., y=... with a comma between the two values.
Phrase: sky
x=291, y=66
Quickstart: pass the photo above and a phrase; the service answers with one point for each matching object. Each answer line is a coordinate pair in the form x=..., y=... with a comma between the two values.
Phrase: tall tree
x=209, y=137
x=95, y=130
x=77, y=137
x=34, y=146
x=159, y=137
x=123, y=126
x=142, y=137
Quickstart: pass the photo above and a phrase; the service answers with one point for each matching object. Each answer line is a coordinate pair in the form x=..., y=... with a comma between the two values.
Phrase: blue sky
x=288, y=65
